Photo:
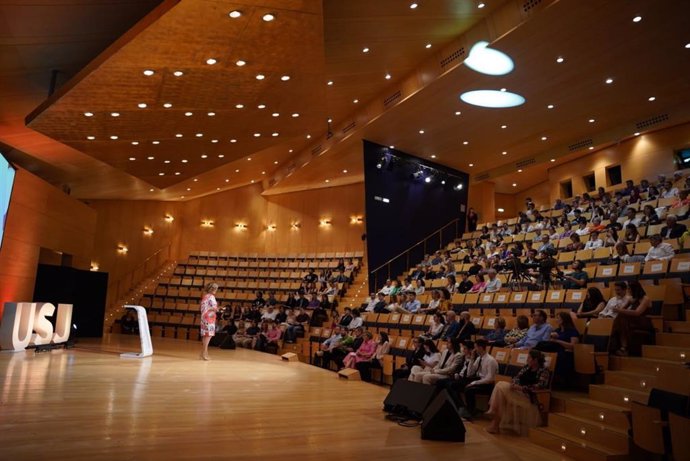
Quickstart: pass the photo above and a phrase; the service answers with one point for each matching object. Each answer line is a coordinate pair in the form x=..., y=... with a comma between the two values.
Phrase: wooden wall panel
x=482, y=198
x=41, y=216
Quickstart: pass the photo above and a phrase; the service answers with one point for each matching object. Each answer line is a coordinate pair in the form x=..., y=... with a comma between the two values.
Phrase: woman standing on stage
x=209, y=306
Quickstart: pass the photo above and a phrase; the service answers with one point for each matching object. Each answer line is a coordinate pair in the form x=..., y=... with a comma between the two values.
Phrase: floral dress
x=208, y=315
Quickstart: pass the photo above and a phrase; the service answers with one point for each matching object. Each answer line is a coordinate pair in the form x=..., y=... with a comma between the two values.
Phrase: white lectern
x=144, y=334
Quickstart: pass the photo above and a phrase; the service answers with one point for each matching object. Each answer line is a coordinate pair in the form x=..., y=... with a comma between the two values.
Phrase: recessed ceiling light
x=142, y=105
x=161, y=174
x=135, y=143
x=471, y=164
x=285, y=78
x=514, y=184
x=204, y=156
x=481, y=5
x=328, y=180
x=544, y=138
x=609, y=81
x=308, y=136
x=504, y=127
x=275, y=162
x=355, y=101
x=178, y=135
x=166, y=161
x=552, y=160
x=181, y=196
x=188, y=114
x=261, y=106
x=365, y=50
x=637, y=19
x=687, y=45
x=155, y=142
x=591, y=120
x=330, y=83
x=257, y=135
x=113, y=137
x=211, y=114
x=211, y=61
x=651, y=98
x=295, y=115
x=240, y=63
x=488, y=61
x=150, y=157
x=421, y=131
x=199, y=135
x=214, y=141
x=520, y=170
x=167, y=105
x=114, y=114
x=428, y=45
x=290, y=151
x=275, y=114
x=457, y=112
x=221, y=156
x=637, y=133
x=550, y=106
x=464, y=143
x=492, y=98
x=178, y=73
x=188, y=189
x=177, y=173
x=184, y=160
x=275, y=134
x=234, y=14
x=560, y=59
x=90, y=138
x=433, y=155
x=504, y=153
x=88, y=114
x=413, y=6
x=591, y=147
x=196, y=179
x=150, y=190
x=233, y=141
x=345, y=171
x=148, y=72
x=268, y=17
x=131, y=159
x=260, y=76
x=217, y=188
x=227, y=180
x=239, y=106
x=388, y=76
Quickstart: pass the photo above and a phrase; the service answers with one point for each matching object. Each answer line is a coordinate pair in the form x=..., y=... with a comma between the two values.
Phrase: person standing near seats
x=208, y=307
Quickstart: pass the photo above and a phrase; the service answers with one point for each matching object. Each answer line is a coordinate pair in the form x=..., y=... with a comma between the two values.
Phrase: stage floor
x=88, y=403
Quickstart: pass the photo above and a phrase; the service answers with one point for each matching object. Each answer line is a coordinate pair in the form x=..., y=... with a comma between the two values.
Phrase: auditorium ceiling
x=177, y=99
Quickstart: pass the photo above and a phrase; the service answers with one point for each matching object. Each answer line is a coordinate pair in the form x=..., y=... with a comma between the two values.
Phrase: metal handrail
x=424, y=241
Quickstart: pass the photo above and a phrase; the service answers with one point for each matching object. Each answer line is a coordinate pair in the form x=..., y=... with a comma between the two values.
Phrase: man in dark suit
x=380, y=307
x=672, y=230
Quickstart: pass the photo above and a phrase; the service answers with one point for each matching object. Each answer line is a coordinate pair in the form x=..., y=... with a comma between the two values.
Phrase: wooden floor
x=88, y=403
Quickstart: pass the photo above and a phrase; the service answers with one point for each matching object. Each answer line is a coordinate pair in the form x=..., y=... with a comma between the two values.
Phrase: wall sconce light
x=500, y=210
x=94, y=266
x=169, y=218
x=325, y=222
x=241, y=226
x=122, y=249
x=271, y=227
x=207, y=223
x=148, y=232
x=356, y=220
x=295, y=226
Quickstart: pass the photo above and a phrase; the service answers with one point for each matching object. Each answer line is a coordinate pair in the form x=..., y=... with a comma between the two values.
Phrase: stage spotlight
x=379, y=165
x=443, y=182
x=427, y=179
x=459, y=186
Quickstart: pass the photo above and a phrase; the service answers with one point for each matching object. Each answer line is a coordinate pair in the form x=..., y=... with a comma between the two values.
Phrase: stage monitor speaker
x=441, y=420
x=409, y=398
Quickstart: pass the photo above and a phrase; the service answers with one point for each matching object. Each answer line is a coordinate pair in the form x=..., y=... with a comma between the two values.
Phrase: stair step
x=673, y=339
x=643, y=364
x=617, y=395
x=609, y=436
x=670, y=353
x=677, y=326
x=600, y=412
x=574, y=447
x=630, y=380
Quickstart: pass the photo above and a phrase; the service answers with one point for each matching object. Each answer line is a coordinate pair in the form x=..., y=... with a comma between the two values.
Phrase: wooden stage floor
x=88, y=403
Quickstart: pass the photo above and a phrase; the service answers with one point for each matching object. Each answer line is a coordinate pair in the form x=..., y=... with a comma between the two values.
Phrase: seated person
x=496, y=336
x=494, y=283
x=575, y=243
x=296, y=325
x=269, y=314
x=631, y=317
x=592, y=305
x=477, y=377
x=539, y=331
x=619, y=300
x=351, y=342
x=310, y=280
x=562, y=341
x=513, y=405
x=346, y=318
x=479, y=284
x=466, y=328
x=450, y=362
x=594, y=241
x=364, y=353
x=429, y=361
x=517, y=333
x=247, y=337
x=659, y=251
x=438, y=322
x=382, y=348
x=381, y=305
x=577, y=278
x=281, y=316
x=371, y=303
x=452, y=326
x=327, y=348
x=356, y=321
x=464, y=285
x=412, y=358
x=434, y=305
x=672, y=229
x=267, y=337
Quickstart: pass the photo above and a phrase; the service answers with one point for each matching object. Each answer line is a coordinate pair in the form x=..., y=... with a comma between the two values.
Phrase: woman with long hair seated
x=429, y=360
x=513, y=406
x=383, y=347
x=436, y=326
x=364, y=353
x=593, y=304
x=562, y=341
x=630, y=317
x=479, y=285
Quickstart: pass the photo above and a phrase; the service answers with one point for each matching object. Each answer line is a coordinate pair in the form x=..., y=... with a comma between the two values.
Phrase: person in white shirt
x=659, y=251
x=594, y=241
x=494, y=283
x=484, y=370
x=270, y=314
x=386, y=290
x=372, y=303
x=449, y=363
x=630, y=218
x=582, y=228
x=620, y=299
x=431, y=358
x=669, y=191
